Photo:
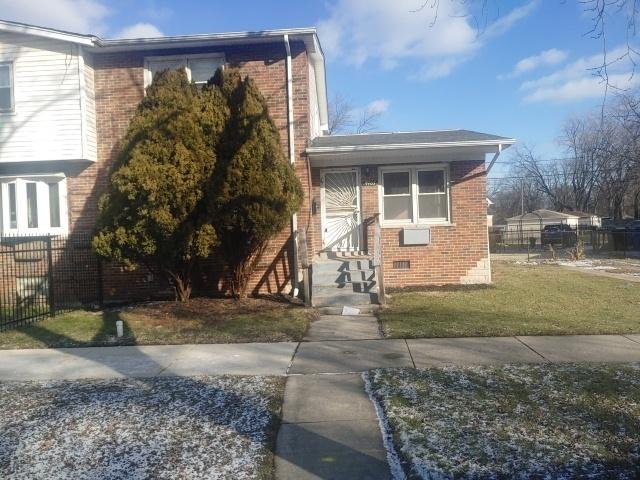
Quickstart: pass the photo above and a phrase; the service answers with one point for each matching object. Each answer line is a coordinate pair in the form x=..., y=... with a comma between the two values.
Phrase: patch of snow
x=462, y=422
x=170, y=428
x=588, y=264
x=392, y=456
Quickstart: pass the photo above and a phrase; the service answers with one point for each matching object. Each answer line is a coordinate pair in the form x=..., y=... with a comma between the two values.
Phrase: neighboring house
x=588, y=219
x=490, y=205
x=538, y=219
x=66, y=101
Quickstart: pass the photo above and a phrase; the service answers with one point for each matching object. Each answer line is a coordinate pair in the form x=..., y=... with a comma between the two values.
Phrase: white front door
x=341, y=218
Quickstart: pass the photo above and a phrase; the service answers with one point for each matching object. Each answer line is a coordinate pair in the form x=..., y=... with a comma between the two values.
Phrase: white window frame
x=148, y=75
x=413, y=179
x=12, y=87
x=42, y=188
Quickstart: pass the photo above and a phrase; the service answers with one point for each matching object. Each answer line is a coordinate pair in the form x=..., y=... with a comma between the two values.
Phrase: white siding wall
x=47, y=122
x=89, y=127
x=314, y=107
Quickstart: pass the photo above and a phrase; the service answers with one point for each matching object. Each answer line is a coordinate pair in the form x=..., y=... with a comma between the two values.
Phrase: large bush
x=198, y=168
x=256, y=190
x=155, y=211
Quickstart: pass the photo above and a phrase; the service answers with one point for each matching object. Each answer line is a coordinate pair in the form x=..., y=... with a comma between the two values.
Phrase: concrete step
x=341, y=299
x=344, y=289
x=337, y=310
x=343, y=277
x=336, y=266
x=341, y=255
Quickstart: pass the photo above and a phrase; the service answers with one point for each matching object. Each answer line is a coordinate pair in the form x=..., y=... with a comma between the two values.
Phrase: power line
x=545, y=175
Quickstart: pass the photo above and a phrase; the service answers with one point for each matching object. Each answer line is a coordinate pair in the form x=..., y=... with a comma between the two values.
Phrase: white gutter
x=292, y=161
x=25, y=29
x=409, y=146
x=493, y=160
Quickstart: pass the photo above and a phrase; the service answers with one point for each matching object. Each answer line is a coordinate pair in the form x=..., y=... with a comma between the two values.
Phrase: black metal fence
x=43, y=275
x=505, y=240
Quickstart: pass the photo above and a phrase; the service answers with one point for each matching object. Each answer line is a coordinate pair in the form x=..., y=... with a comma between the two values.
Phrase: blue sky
x=519, y=71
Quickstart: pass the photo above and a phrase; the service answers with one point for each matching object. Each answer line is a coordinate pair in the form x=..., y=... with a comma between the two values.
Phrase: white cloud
x=82, y=16
x=378, y=106
x=504, y=23
x=579, y=89
x=581, y=80
x=388, y=32
x=139, y=30
x=545, y=58
x=79, y=16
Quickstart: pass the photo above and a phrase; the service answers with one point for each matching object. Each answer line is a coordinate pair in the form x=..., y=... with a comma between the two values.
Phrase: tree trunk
x=242, y=273
x=182, y=285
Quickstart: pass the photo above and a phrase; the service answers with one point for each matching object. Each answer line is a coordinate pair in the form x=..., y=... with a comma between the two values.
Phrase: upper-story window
x=415, y=194
x=33, y=205
x=6, y=87
x=200, y=67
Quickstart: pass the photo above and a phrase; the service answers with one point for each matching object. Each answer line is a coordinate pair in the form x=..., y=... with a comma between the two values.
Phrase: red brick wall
x=455, y=250
x=119, y=87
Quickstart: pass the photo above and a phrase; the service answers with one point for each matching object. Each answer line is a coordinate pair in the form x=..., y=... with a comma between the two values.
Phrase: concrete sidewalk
x=330, y=428
x=147, y=361
x=311, y=357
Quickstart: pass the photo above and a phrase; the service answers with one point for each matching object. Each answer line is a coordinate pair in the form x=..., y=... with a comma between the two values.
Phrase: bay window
x=414, y=194
x=33, y=205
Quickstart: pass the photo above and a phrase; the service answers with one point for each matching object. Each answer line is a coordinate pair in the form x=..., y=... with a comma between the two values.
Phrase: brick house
x=66, y=100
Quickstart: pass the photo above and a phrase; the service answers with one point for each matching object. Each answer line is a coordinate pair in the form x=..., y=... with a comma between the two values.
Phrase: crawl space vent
x=401, y=265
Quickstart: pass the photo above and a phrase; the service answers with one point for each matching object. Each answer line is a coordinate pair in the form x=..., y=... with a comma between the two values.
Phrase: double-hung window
x=415, y=194
x=6, y=87
x=33, y=205
x=199, y=67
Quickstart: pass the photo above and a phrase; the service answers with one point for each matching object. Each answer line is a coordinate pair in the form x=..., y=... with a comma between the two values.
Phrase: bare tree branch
x=345, y=118
x=368, y=120
x=340, y=114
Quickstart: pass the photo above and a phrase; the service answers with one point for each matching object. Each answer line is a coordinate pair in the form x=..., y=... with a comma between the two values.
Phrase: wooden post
x=377, y=259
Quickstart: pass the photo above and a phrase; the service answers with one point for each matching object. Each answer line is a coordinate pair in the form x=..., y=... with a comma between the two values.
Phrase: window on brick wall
x=200, y=68
x=33, y=205
x=415, y=194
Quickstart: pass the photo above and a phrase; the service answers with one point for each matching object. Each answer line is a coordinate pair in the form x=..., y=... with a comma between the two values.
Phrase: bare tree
x=549, y=179
x=513, y=196
x=345, y=118
x=340, y=114
x=367, y=120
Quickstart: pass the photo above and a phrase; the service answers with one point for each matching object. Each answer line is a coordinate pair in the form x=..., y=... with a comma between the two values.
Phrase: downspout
x=495, y=157
x=292, y=160
x=491, y=164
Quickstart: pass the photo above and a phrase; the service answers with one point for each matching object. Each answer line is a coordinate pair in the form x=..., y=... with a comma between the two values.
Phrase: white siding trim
x=83, y=103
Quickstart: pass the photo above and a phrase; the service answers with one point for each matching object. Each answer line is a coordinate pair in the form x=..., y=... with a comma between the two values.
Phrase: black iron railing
x=41, y=275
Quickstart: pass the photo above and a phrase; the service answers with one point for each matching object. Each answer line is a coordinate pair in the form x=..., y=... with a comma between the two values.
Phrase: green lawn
x=524, y=300
x=527, y=421
x=164, y=323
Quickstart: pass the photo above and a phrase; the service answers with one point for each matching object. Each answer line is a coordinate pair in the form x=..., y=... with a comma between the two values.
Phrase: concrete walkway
x=329, y=430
